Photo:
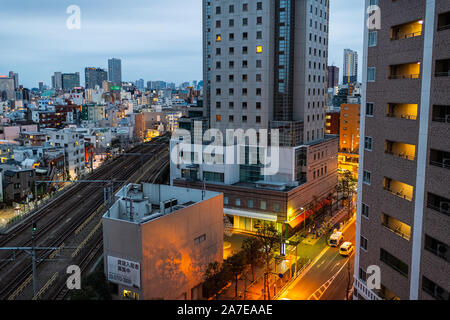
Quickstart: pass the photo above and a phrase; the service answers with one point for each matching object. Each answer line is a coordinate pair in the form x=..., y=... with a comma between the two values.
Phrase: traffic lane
x=338, y=288
x=321, y=271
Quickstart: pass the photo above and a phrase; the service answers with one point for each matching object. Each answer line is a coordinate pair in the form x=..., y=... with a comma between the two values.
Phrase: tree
x=215, y=278
x=270, y=239
x=252, y=250
x=235, y=265
x=349, y=279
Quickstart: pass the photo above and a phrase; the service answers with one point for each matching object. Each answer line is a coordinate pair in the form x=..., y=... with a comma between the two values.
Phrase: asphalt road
x=327, y=277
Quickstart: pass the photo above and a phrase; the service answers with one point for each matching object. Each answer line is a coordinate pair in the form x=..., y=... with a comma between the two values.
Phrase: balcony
x=407, y=30
x=396, y=226
x=399, y=189
x=405, y=71
x=400, y=150
x=444, y=21
x=402, y=111
x=440, y=158
x=441, y=113
x=438, y=203
x=442, y=68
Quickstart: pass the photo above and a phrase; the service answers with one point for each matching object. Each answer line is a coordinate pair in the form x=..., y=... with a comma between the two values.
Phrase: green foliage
x=94, y=287
x=215, y=278
x=235, y=266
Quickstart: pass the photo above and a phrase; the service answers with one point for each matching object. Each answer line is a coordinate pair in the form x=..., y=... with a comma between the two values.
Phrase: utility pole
x=33, y=256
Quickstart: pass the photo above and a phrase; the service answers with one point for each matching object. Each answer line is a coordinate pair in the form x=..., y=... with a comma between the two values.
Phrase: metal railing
x=446, y=119
x=402, y=116
x=397, y=231
x=440, y=164
x=398, y=194
x=401, y=155
x=403, y=76
x=407, y=35
x=442, y=74
x=445, y=27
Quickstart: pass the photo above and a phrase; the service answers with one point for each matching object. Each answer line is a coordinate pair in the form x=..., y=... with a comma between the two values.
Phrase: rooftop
x=141, y=203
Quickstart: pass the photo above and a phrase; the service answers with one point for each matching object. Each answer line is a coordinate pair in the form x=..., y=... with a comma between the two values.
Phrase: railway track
x=68, y=215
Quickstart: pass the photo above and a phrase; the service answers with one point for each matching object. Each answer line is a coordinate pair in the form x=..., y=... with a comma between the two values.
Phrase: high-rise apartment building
x=115, y=71
x=15, y=76
x=350, y=68
x=94, y=77
x=6, y=88
x=403, y=220
x=333, y=76
x=265, y=67
x=70, y=80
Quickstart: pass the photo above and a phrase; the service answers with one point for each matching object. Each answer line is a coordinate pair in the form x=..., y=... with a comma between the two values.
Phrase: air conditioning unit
x=445, y=207
x=441, y=249
x=447, y=118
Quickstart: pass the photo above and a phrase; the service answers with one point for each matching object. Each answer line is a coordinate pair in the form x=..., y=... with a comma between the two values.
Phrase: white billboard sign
x=124, y=272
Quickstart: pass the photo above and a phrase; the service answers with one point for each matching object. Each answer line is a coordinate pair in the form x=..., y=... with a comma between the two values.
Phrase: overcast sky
x=156, y=39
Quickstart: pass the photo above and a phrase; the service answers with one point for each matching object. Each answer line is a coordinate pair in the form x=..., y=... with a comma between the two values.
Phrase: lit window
x=259, y=49
x=218, y=38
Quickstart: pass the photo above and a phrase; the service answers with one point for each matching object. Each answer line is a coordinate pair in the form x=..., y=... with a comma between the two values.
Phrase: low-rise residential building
x=159, y=239
x=17, y=182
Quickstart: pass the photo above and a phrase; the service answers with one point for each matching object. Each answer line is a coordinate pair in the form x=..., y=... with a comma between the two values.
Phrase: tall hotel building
x=350, y=68
x=265, y=67
x=403, y=220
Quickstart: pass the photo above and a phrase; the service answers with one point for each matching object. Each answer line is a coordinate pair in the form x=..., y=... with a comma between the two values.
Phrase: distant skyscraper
x=333, y=76
x=41, y=86
x=140, y=84
x=57, y=81
x=15, y=76
x=350, y=69
x=6, y=88
x=70, y=80
x=94, y=77
x=115, y=71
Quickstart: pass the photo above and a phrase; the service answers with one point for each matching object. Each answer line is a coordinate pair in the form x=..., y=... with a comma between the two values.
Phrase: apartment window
x=371, y=74
x=263, y=205
x=244, y=35
x=231, y=9
x=218, y=10
x=231, y=64
x=437, y=247
x=258, y=119
x=225, y=200
x=362, y=275
x=373, y=2
x=438, y=203
x=218, y=65
x=218, y=78
x=365, y=210
x=200, y=239
x=250, y=203
x=369, y=109
x=276, y=207
x=231, y=36
x=218, y=38
x=218, y=24
x=363, y=243
x=231, y=23
x=231, y=118
x=245, y=22
x=259, y=63
x=218, y=118
x=258, y=105
x=258, y=35
x=218, y=92
x=259, y=6
x=434, y=290
x=368, y=143
x=244, y=105
x=258, y=77
x=218, y=51
x=373, y=38
x=245, y=7
x=231, y=91
x=231, y=104
x=258, y=20
x=231, y=50
x=394, y=262
x=244, y=64
x=367, y=177
x=244, y=50
x=258, y=91
x=231, y=78
x=244, y=118
x=259, y=49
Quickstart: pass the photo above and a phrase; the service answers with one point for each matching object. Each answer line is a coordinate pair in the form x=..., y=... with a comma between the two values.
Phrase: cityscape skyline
x=72, y=51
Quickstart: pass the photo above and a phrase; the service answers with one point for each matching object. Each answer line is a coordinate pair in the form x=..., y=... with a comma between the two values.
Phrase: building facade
x=350, y=68
x=403, y=220
x=115, y=71
x=94, y=77
x=158, y=241
x=333, y=76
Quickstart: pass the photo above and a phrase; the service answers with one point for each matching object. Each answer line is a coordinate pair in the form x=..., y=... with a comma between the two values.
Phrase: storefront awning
x=250, y=214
